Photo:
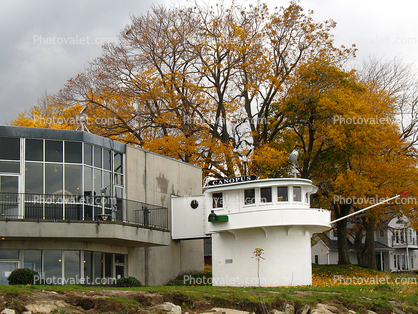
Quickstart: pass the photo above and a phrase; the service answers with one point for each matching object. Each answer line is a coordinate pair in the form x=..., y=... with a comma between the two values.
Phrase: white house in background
x=325, y=249
x=242, y=214
x=396, y=247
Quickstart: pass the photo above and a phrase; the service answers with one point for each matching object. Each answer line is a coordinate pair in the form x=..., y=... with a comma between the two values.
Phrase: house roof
x=381, y=247
x=333, y=244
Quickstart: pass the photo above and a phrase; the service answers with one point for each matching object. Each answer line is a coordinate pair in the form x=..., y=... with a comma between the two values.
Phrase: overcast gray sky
x=35, y=58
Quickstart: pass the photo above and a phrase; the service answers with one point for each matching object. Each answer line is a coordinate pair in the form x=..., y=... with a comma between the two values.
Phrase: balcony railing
x=82, y=208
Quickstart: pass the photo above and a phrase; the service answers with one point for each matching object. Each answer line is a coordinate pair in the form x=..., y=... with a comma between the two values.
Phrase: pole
x=364, y=209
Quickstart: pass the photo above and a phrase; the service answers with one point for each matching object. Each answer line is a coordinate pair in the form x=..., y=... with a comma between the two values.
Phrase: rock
x=397, y=311
x=321, y=309
x=27, y=312
x=229, y=311
x=168, y=307
x=289, y=309
x=305, y=309
x=8, y=311
x=352, y=312
x=276, y=312
x=394, y=303
x=370, y=312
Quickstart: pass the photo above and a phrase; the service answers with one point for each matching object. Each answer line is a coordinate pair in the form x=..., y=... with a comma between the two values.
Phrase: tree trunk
x=360, y=248
x=340, y=211
x=370, y=249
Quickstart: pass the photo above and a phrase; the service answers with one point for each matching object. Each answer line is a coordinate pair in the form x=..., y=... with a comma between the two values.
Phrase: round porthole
x=194, y=204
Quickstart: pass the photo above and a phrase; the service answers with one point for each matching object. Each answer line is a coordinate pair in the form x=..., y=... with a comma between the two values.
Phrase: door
x=9, y=196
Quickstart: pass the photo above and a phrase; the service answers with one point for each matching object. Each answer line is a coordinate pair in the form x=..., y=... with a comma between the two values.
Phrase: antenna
x=294, y=158
x=81, y=118
x=364, y=209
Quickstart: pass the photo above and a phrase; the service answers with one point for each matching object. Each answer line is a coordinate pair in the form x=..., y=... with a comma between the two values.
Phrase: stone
x=229, y=311
x=289, y=309
x=305, y=309
x=352, y=312
x=27, y=312
x=8, y=311
x=370, y=312
x=276, y=312
x=168, y=307
x=321, y=309
x=397, y=311
x=394, y=303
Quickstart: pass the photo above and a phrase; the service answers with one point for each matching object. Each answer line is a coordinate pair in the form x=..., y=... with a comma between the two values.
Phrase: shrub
x=128, y=282
x=22, y=276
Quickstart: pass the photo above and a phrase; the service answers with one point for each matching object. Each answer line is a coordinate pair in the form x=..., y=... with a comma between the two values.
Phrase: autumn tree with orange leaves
x=350, y=146
x=199, y=83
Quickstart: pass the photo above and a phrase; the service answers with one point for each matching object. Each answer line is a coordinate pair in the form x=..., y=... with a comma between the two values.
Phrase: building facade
x=77, y=206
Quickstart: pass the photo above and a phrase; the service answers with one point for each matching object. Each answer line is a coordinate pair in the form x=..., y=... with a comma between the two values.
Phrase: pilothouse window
x=282, y=194
x=217, y=200
x=297, y=197
x=265, y=195
x=249, y=196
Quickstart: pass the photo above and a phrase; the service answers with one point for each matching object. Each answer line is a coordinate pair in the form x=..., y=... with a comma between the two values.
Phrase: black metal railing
x=82, y=208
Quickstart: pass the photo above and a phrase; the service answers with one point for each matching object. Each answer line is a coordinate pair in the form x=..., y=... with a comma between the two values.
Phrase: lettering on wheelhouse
x=232, y=180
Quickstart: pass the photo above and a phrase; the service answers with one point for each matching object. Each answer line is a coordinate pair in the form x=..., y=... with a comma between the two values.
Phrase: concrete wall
x=45, y=244
x=152, y=178
x=286, y=257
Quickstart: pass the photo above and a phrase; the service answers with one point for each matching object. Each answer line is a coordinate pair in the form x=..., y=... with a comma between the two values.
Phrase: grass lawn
x=330, y=285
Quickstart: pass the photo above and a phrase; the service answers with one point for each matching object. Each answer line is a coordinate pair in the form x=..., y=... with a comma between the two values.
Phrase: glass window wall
x=73, y=152
x=9, y=254
x=88, y=154
x=53, y=151
x=10, y=166
x=34, y=178
x=97, y=157
x=107, y=159
x=73, y=180
x=32, y=259
x=10, y=148
x=53, y=179
x=52, y=264
x=71, y=266
x=34, y=150
x=51, y=168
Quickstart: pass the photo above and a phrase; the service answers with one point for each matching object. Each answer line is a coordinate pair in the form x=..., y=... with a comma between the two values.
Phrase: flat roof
x=59, y=134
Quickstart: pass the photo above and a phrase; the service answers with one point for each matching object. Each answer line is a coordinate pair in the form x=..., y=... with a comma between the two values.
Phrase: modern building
x=261, y=229
x=396, y=246
x=74, y=206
